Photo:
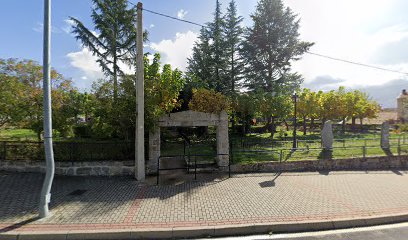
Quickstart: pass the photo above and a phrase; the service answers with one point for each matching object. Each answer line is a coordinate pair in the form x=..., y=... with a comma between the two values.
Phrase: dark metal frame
x=196, y=166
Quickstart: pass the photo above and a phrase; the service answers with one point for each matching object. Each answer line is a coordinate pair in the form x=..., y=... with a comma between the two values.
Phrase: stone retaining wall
x=126, y=168
x=369, y=163
x=106, y=168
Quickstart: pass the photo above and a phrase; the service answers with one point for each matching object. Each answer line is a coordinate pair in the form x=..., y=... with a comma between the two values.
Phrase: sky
x=373, y=32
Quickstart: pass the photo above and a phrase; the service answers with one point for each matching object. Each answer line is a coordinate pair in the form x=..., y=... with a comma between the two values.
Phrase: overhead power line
x=356, y=63
x=168, y=16
x=311, y=53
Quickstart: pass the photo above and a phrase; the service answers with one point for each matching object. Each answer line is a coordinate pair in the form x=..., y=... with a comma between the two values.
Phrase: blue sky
x=372, y=32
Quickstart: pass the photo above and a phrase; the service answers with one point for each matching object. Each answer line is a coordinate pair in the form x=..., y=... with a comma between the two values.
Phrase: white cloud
x=86, y=63
x=181, y=13
x=151, y=26
x=356, y=36
x=68, y=27
x=176, y=51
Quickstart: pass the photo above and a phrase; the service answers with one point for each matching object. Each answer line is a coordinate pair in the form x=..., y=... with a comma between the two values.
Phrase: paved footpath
x=237, y=205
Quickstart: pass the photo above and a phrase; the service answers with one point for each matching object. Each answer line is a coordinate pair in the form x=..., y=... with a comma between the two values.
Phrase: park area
x=199, y=145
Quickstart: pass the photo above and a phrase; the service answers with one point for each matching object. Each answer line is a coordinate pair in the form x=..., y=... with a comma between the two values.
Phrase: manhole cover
x=77, y=192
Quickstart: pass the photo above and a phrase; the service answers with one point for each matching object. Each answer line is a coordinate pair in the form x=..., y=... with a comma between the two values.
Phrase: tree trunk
x=343, y=126
x=115, y=80
x=304, y=125
x=39, y=135
x=312, y=124
x=271, y=126
x=353, y=124
x=361, y=125
x=286, y=125
x=233, y=122
x=115, y=66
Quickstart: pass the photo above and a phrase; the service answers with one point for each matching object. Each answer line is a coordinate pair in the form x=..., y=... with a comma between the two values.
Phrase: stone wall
x=108, y=168
x=126, y=168
x=371, y=163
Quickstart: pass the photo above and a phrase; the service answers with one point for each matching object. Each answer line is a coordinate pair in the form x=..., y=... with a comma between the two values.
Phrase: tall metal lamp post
x=295, y=97
x=45, y=197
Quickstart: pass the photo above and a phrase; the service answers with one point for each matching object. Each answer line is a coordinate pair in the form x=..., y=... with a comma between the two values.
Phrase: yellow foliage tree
x=209, y=101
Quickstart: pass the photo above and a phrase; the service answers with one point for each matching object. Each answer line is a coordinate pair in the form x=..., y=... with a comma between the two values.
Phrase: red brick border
x=134, y=208
x=38, y=227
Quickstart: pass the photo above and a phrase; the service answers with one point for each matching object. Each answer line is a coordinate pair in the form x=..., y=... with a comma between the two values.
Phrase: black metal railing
x=68, y=151
x=289, y=154
x=192, y=164
x=261, y=144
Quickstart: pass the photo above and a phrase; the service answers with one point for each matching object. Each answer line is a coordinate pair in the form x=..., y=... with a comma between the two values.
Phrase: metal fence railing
x=270, y=144
x=289, y=154
x=192, y=163
x=68, y=151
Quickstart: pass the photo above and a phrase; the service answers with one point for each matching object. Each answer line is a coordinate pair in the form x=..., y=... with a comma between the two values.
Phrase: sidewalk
x=244, y=204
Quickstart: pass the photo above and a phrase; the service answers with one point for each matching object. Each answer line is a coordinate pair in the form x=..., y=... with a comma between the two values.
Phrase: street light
x=49, y=155
x=295, y=96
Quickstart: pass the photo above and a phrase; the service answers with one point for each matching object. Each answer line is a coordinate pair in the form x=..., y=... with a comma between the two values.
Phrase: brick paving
x=123, y=203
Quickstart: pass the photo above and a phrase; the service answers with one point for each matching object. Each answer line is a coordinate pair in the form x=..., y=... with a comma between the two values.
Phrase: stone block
x=327, y=135
x=71, y=171
x=128, y=171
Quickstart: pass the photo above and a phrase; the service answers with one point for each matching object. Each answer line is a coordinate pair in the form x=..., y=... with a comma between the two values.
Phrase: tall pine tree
x=115, y=40
x=200, y=65
x=218, y=44
x=271, y=44
x=208, y=61
x=233, y=37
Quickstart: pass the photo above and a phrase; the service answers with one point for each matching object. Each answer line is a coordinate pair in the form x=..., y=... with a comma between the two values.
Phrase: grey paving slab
x=123, y=203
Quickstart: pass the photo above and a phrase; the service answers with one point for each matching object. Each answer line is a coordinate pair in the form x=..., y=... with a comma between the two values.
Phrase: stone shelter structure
x=191, y=119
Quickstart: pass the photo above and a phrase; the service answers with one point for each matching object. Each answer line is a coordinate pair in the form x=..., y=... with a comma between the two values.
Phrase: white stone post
x=154, y=150
x=140, y=173
x=327, y=136
x=223, y=140
x=385, y=135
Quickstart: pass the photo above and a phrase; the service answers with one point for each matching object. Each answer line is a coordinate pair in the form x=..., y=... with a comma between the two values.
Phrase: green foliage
x=308, y=103
x=114, y=41
x=337, y=105
x=280, y=106
x=271, y=45
x=10, y=106
x=162, y=90
x=233, y=38
x=24, y=78
x=209, y=101
x=209, y=59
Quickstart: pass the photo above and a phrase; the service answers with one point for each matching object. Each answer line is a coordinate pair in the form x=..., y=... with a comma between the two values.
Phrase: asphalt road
x=386, y=232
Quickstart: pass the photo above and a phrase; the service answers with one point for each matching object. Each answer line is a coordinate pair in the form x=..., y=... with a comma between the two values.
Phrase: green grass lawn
x=261, y=148
x=264, y=149
x=18, y=135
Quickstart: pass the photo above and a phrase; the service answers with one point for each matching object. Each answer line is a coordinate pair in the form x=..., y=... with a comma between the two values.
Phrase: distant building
x=402, y=106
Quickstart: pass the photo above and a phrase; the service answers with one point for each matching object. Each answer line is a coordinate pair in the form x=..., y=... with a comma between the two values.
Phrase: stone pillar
x=385, y=135
x=154, y=151
x=223, y=140
x=402, y=106
x=327, y=136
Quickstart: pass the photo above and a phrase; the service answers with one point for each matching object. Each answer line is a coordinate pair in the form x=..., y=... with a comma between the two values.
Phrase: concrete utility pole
x=139, y=148
x=49, y=155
